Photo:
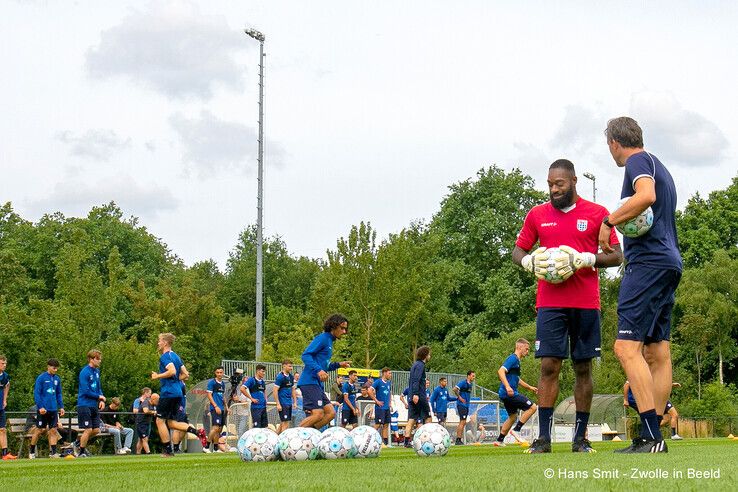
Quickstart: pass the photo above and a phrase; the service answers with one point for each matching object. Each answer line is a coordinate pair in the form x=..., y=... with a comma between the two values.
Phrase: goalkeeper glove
x=536, y=262
x=569, y=260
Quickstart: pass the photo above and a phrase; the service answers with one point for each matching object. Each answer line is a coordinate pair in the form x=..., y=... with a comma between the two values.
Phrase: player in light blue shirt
x=463, y=391
x=381, y=393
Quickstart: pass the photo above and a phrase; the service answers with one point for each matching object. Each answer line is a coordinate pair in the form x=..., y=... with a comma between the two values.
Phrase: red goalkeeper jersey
x=577, y=226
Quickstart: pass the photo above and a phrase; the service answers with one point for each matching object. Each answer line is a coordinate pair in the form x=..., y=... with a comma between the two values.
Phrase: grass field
x=464, y=468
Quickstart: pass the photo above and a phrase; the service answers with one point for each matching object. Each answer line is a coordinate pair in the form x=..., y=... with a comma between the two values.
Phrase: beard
x=564, y=200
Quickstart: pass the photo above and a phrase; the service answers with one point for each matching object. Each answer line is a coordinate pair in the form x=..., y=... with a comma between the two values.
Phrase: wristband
x=606, y=221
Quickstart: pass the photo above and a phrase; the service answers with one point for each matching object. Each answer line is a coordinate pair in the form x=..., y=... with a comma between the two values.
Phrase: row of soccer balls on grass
x=304, y=443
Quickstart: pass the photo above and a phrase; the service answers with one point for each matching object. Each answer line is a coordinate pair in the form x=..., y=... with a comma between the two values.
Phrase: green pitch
x=464, y=468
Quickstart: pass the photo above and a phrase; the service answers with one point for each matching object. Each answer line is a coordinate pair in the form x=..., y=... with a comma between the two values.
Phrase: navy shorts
x=143, y=428
x=286, y=414
x=259, y=417
x=314, y=398
x=2, y=418
x=419, y=412
x=645, y=302
x=50, y=419
x=441, y=416
x=634, y=405
x=217, y=420
x=561, y=331
x=515, y=403
x=168, y=408
x=382, y=416
x=348, y=417
x=88, y=417
x=462, y=411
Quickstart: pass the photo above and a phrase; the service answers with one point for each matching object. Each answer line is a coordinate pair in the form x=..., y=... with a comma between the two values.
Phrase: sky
x=372, y=109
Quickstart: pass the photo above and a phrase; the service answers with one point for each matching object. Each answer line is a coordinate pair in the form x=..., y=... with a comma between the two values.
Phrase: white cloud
x=98, y=144
x=580, y=129
x=675, y=133
x=172, y=48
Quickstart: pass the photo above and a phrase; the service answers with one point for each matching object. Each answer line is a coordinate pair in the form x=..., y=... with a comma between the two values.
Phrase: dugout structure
x=606, y=419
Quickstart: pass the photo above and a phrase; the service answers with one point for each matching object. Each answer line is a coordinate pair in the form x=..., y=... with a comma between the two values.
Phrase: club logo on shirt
x=582, y=225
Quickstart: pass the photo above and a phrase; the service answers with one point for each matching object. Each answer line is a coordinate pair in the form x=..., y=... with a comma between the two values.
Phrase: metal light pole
x=594, y=186
x=253, y=33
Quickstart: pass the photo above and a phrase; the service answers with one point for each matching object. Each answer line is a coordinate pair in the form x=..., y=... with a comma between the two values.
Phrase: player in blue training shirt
x=652, y=273
x=350, y=412
x=171, y=374
x=254, y=388
x=285, y=395
x=418, y=409
x=381, y=393
x=317, y=358
x=509, y=374
x=47, y=395
x=216, y=389
x=439, y=400
x=4, y=389
x=463, y=391
x=90, y=401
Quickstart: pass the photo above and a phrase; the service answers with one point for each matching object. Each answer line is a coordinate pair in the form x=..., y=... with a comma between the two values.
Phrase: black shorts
x=88, y=417
x=561, y=330
x=259, y=417
x=441, y=416
x=419, y=412
x=50, y=419
x=168, y=408
x=382, y=416
x=515, y=403
x=314, y=398
x=2, y=418
x=462, y=411
x=645, y=301
x=286, y=414
x=217, y=420
x=143, y=429
x=348, y=417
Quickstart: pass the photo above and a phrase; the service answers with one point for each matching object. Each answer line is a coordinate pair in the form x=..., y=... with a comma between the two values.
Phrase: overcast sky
x=372, y=109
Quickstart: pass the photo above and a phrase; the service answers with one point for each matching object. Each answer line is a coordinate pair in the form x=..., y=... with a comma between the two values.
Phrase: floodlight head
x=255, y=34
x=589, y=176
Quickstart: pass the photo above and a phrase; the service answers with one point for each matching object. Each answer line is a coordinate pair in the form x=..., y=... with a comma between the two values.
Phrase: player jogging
x=439, y=401
x=509, y=374
x=463, y=391
x=350, y=412
x=285, y=395
x=568, y=316
x=652, y=273
x=381, y=393
x=171, y=371
x=4, y=390
x=47, y=394
x=418, y=408
x=216, y=390
x=317, y=359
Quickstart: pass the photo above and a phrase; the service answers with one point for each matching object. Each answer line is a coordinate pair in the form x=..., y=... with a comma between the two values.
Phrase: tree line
x=70, y=284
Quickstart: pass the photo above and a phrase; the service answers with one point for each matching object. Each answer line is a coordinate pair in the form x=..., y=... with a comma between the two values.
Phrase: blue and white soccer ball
x=551, y=275
x=258, y=445
x=299, y=444
x=367, y=441
x=336, y=443
x=431, y=440
x=638, y=225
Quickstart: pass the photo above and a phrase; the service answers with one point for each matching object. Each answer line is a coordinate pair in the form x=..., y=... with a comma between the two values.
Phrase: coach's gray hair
x=625, y=131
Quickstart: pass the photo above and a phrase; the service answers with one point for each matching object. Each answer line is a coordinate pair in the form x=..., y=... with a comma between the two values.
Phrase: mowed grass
x=464, y=468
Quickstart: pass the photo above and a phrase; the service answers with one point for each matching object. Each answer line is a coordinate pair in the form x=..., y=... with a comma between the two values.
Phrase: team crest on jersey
x=582, y=225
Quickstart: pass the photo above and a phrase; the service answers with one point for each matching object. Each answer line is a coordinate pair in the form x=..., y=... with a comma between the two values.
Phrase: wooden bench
x=19, y=427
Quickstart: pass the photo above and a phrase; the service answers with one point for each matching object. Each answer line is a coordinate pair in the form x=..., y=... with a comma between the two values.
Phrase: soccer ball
x=431, y=440
x=258, y=445
x=367, y=441
x=638, y=225
x=299, y=444
x=335, y=443
x=551, y=275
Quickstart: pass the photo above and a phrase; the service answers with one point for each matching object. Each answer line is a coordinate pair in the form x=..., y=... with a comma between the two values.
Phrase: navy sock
x=5, y=451
x=660, y=419
x=580, y=427
x=501, y=438
x=53, y=449
x=545, y=417
x=32, y=449
x=518, y=425
x=650, y=425
x=673, y=431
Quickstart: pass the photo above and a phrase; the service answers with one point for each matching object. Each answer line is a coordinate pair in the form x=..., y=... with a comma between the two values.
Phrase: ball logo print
x=431, y=440
x=367, y=441
x=638, y=225
x=258, y=445
x=336, y=443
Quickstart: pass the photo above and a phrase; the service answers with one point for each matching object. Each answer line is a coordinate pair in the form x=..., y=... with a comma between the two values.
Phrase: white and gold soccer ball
x=367, y=441
x=299, y=444
x=550, y=274
x=336, y=443
x=431, y=440
x=258, y=445
x=638, y=225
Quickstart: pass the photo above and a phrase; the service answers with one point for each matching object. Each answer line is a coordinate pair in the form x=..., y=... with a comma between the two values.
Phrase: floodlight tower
x=593, y=178
x=253, y=33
